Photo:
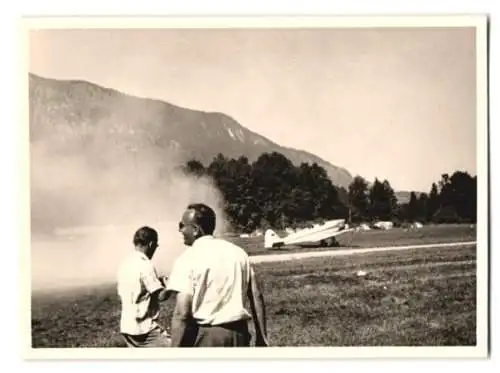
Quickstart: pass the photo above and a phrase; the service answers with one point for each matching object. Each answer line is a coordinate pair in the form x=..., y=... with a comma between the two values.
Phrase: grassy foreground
x=409, y=298
x=412, y=297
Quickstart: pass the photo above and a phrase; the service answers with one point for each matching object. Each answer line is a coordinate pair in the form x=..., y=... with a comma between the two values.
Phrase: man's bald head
x=203, y=216
x=197, y=221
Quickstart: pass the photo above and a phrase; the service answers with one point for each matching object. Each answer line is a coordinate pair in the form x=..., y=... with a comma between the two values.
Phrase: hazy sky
x=388, y=103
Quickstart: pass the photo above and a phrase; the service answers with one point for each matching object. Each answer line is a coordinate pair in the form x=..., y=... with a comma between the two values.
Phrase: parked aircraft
x=322, y=234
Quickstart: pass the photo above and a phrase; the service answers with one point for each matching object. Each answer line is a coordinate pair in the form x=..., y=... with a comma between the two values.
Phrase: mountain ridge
x=194, y=133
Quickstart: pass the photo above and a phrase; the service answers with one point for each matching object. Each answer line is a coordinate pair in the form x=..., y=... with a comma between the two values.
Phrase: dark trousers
x=155, y=338
x=234, y=334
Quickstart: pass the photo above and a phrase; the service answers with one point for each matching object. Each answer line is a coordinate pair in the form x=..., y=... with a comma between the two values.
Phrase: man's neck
x=140, y=250
x=203, y=238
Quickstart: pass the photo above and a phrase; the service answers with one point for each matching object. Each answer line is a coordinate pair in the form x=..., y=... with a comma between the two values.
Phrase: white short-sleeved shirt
x=216, y=273
x=137, y=281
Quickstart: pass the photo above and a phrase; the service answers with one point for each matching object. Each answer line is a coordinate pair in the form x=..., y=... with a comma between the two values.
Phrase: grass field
x=416, y=297
x=410, y=297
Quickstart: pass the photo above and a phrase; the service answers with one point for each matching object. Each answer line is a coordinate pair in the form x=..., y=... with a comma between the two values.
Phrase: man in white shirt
x=212, y=279
x=140, y=290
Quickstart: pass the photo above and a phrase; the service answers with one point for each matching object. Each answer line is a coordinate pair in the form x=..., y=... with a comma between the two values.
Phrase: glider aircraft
x=323, y=234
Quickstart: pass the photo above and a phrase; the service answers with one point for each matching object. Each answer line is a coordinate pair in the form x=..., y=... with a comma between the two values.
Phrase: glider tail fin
x=271, y=239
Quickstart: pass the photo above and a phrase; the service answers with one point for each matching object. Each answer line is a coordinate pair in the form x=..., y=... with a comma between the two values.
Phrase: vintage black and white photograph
x=257, y=183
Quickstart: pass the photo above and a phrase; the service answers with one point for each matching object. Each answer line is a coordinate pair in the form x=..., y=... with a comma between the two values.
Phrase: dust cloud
x=86, y=208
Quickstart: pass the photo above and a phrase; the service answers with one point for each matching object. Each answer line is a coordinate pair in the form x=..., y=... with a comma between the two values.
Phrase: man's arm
x=154, y=284
x=163, y=293
x=180, y=283
x=258, y=310
x=181, y=320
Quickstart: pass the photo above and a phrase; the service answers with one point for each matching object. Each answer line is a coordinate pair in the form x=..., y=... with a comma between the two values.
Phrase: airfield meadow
x=421, y=296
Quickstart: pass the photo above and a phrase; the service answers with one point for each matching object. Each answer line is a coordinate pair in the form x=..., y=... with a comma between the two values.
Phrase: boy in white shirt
x=141, y=290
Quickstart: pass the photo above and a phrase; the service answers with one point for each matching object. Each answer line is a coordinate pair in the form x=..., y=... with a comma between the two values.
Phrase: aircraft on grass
x=322, y=234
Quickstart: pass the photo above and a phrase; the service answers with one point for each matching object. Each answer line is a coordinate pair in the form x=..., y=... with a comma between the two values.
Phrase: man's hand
x=181, y=319
x=258, y=311
x=162, y=293
x=163, y=280
x=261, y=342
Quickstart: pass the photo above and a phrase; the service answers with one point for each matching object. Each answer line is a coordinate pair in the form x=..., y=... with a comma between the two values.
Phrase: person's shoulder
x=127, y=264
x=233, y=246
x=225, y=241
x=137, y=262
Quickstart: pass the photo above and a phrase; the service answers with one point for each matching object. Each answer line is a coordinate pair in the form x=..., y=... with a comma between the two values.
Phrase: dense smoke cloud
x=86, y=205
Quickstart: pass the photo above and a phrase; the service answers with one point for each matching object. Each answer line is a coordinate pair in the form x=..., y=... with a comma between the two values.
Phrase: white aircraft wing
x=327, y=230
x=314, y=236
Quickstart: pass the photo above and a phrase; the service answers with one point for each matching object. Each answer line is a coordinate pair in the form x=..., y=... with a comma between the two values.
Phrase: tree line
x=453, y=199
x=272, y=192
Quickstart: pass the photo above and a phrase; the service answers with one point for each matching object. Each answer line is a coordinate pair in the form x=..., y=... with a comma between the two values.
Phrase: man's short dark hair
x=204, y=217
x=144, y=235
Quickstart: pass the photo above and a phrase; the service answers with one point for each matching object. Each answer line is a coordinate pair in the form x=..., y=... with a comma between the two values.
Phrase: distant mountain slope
x=74, y=114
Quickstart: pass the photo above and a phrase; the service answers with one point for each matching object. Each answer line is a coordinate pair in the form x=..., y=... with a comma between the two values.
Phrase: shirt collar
x=203, y=239
x=141, y=254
